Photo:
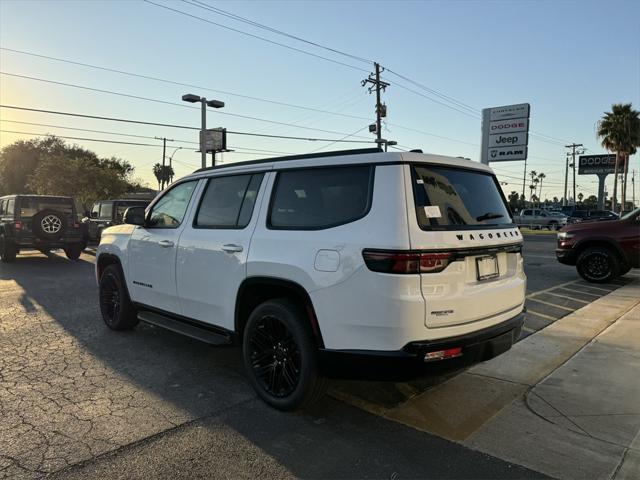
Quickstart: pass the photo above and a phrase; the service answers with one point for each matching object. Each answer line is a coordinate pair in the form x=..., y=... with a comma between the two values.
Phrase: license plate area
x=487, y=267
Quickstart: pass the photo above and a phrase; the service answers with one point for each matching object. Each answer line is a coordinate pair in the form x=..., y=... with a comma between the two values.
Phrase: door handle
x=232, y=248
x=166, y=243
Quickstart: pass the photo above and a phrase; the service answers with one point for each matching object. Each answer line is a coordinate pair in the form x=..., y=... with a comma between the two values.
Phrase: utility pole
x=633, y=188
x=381, y=110
x=566, y=175
x=524, y=182
x=164, y=155
x=573, y=165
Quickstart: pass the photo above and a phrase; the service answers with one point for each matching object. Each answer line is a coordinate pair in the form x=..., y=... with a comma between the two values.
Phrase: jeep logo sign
x=505, y=133
x=505, y=139
x=598, y=164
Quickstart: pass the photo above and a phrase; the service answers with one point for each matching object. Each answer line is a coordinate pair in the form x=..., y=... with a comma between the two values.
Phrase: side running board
x=189, y=330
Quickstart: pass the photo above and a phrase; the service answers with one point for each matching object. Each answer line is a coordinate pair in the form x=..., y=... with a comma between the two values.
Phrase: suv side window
x=169, y=210
x=527, y=212
x=106, y=210
x=2, y=204
x=95, y=210
x=10, y=206
x=317, y=198
x=228, y=201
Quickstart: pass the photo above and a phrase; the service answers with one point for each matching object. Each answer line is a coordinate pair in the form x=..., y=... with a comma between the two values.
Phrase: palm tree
x=580, y=197
x=158, y=173
x=619, y=131
x=541, y=176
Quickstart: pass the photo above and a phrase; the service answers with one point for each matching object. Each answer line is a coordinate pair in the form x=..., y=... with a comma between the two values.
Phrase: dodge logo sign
x=594, y=164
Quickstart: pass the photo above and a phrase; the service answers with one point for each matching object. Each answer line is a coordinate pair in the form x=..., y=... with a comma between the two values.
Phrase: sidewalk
x=564, y=401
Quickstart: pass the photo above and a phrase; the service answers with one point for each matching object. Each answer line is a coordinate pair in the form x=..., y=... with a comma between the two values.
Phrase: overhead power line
x=182, y=84
x=233, y=16
x=169, y=125
x=196, y=17
x=165, y=102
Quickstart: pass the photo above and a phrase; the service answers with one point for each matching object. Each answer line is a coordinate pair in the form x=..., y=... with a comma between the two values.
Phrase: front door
x=212, y=254
x=152, y=250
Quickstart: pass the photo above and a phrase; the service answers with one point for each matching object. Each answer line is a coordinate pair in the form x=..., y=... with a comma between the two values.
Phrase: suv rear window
x=317, y=198
x=29, y=206
x=452, y=198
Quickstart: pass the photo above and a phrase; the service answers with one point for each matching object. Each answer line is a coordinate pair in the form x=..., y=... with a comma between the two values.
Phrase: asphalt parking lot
x=80, y=401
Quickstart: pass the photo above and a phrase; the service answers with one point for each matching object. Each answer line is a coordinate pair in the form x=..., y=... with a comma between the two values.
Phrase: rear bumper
x=35, y=242
x=409, y=362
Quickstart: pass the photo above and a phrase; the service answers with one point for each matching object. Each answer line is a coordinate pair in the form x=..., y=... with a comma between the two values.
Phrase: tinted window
x=225, y=200
x=168, y=212
x=29, y=206
x=2, y=204
x=450, y=197
x=106, y=210
x=527, y=212
x=121, y=208
x=321, y=197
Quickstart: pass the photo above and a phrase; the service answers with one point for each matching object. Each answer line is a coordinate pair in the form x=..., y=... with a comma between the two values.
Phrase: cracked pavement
x=78, y=400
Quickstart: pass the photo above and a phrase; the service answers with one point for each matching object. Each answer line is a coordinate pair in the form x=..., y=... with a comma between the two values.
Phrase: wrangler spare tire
x=48, y=224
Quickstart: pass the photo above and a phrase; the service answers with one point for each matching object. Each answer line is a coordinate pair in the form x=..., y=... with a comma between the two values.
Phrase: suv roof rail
x=358, y=151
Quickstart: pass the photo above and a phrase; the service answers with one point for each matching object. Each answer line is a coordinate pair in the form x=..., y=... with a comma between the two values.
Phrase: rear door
x=213, y=249
x=473, y=270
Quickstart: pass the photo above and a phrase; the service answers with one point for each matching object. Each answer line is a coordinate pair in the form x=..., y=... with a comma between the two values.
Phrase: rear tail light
x=406, y=262
x=443, y=354
x=17, y=225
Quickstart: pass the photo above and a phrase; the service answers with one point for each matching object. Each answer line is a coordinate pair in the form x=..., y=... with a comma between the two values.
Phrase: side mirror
x=134, y=216
x=94, y=214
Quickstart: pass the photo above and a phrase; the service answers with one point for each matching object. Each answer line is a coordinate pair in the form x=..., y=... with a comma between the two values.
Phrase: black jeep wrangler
x=38, y=222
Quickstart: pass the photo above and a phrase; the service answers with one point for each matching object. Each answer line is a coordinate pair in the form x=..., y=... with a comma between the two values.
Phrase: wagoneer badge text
x=488, y=236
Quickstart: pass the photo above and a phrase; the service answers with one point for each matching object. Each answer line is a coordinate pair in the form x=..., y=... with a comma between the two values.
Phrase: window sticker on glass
x=432, y=212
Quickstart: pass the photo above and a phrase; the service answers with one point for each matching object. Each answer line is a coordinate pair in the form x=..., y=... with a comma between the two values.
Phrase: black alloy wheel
x=275, y=356
x=598, y=265
x=280, y=355
x=117, y=310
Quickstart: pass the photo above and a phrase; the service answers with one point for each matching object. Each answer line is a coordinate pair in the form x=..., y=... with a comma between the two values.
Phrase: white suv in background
x=342, y=263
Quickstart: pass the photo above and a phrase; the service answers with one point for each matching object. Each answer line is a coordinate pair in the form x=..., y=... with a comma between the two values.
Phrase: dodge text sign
x=505, y=133
x=594, y=164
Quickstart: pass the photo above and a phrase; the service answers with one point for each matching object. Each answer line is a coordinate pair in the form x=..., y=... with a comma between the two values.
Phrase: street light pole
x=191, y=98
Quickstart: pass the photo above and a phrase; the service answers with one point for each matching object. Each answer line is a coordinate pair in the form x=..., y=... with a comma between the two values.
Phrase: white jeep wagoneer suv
x=322, y=265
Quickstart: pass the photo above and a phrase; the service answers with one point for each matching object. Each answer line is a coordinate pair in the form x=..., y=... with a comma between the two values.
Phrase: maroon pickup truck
x=601, y=251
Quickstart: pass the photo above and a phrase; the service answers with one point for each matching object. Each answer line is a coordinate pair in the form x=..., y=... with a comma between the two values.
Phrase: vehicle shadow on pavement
x=72, y=390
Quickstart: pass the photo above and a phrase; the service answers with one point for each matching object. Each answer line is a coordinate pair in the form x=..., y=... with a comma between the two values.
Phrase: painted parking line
x=552, y=304
x=527, y=255
x=580, y=292
x=604, y=290
x=541, y=315
x=568, y=297
x=560, y=285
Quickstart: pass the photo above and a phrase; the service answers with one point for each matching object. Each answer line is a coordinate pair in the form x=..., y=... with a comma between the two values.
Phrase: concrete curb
x=487, y=407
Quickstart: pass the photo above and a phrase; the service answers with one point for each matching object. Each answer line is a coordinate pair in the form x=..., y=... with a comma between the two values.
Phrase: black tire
x=280, y=356
x=48, y=224
x=115, y=305
x=8, y=251
x=598, y=265
x=624, y=269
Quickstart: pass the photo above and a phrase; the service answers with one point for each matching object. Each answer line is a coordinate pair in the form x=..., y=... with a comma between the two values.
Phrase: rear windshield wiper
x=488, y=216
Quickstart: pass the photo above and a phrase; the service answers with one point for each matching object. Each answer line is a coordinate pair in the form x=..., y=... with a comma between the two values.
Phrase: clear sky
x=569, y=59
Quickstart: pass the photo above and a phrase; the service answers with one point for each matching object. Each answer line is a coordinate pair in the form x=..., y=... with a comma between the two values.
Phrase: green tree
x=619, y=132
x=591, y=200
x=513, y=200
x=541, y=176
x=580, y=197
x=82, y=178
x=51, y=166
